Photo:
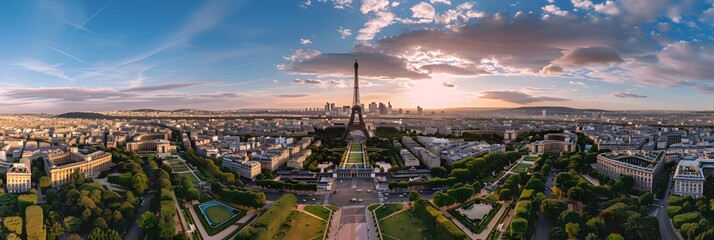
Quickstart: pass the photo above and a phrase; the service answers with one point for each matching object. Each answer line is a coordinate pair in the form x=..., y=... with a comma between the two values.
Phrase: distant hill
x=88, y=115
x=553, y=110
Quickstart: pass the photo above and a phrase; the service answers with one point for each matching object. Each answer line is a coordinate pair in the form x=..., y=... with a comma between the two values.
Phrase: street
x=135, y=231
x=666, y=229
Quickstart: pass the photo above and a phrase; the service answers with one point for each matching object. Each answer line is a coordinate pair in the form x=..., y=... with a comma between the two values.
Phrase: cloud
x=374, y=25
x=675, y=64
x=340, y=64
x=275, y=81
x=627, y=95
x=344, y=32
x=577, y=83
x=373, y=6
x=552, y=69
x=68, y=94
x=342, y=4
x=81, y=26
x=582, y=4
x=609, y=7
x=308, y=81
x=169, y=86
x=552, y=9
x=447, y=2
x=517, y=97
x=42, y=67
x=291, y=95
x=305, y=41
x=590, y=55
x=448, y=85
x=454, y=70
x=423, y=10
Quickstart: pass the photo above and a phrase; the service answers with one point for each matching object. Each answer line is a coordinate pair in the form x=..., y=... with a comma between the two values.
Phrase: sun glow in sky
x=60, y=56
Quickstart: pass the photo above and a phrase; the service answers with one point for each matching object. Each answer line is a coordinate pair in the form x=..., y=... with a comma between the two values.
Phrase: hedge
x=14, y=224
x=35, y=227
x=123, y=180
x=673, y=210
x=268, y=223
x=436, y=222
x=691, y=217
x=245, y=198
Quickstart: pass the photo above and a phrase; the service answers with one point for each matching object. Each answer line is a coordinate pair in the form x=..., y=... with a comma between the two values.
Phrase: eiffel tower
x=356, y=110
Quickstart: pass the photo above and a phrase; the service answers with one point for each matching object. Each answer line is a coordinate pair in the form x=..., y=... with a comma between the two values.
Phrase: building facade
x=690, y=175
x=555, y=142
x=59, y=165
x=19, y=177
x=644, y=166
x=246, y=169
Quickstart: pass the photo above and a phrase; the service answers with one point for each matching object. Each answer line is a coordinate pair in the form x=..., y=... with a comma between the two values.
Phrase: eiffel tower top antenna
x=355, y=99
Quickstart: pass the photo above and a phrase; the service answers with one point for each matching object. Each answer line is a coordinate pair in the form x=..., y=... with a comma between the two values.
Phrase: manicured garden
x=387, y=209
x=521, y=168
x=319, y=211
x=479, y=224
x=304, y=226
x=216, y=216
x=193, y=178
x=404, y=225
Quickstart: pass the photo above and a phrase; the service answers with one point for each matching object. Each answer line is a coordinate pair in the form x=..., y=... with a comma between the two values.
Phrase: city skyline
x=437, y=54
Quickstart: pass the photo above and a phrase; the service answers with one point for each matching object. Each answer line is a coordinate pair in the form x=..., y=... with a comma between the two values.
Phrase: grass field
x=531, y=158
x=319, y=211
x=191, y=176
x=301, y=226
x=355, y=155
x=404, y=225
x=178, y=166
x=521, y=167
x=387, y=209
x=216, y=213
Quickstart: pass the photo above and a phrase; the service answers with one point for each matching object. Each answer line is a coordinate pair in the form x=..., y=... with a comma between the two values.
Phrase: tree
x=14, y=224
x=505, y=195
x=596, y=224
x=34, y=223
x=564, y=181
x=576, y=193
x=646, y=199
x=570, y=216
x=45, y=182
x=463, y=175
x=192, y=194
x=414, y=195
x=519, y=226
x=74, y=236
x=615, y=236
x=558, y=233
x=77, y=177
x=139, y=183
x=54, y=231
x=442, y=199
x=552, y=208
x=147, y=221
x=572, y=229
x=535, y=184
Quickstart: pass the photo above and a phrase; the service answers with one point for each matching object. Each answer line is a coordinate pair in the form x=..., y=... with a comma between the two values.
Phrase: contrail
x=70, y=55
x=90, y=18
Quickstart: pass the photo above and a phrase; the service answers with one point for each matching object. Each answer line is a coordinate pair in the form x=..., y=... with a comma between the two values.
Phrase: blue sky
x=100, y=55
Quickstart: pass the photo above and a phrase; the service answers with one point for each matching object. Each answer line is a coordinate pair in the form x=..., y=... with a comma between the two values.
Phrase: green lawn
x=387, y=209
x=218, y=214
x=333, y=208
x=301, y=226
x=531, y=158
x=404, y=225
x=191, y=176
x=354, y=158
x=319, y=211
x=373, y=206
x=521, y=167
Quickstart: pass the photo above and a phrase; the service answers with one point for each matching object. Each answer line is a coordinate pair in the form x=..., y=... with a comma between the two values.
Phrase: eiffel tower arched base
x=356, y=126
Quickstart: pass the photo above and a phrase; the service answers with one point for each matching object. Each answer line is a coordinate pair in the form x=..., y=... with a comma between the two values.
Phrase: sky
x=98, y=55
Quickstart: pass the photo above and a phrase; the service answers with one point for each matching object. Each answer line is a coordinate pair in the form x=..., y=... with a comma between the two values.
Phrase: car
x=401, y=195
x=360, y=200
x=386, y=194
x=369, y=190
x=304, y=200
x=354, y=199
x=313, y=199
x=359, y=190
x=385, y=198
